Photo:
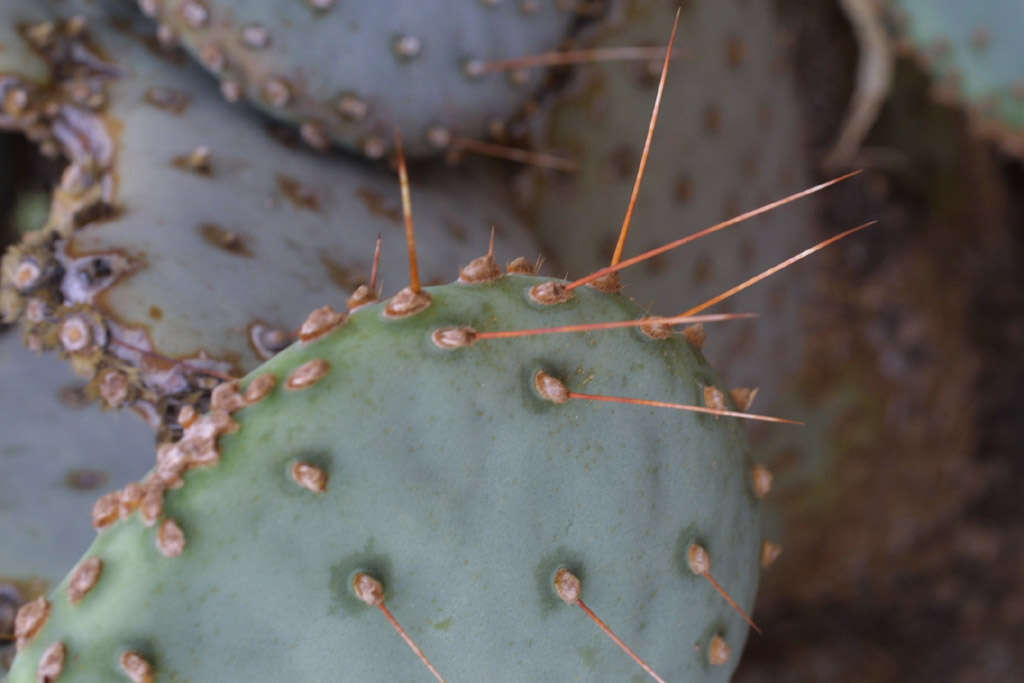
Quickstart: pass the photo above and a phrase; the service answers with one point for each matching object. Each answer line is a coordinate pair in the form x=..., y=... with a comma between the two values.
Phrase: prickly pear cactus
x=349, y=72
x=973, y=51
x=408, y=462
x=183, y=238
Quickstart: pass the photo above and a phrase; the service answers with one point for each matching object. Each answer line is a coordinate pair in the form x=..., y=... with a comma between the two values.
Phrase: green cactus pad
x=184, y=229
x=350, y=72
x=727, y=141
x=451, y=480
x=973, y=51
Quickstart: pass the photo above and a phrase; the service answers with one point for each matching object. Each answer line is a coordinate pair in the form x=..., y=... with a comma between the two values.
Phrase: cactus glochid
x=472, y=461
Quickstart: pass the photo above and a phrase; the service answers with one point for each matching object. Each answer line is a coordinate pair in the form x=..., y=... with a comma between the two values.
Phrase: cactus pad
x=461, y=479
x=181, y=228
x=350, y=72
x=973, y=51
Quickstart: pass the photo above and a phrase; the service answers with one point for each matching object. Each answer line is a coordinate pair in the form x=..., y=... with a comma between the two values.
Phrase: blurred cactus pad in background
x=252, y=430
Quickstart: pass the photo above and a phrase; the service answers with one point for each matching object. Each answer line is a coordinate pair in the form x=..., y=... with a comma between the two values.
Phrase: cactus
x=456, y=473
x=177, y=196
x=351, y=72
x=972, y=51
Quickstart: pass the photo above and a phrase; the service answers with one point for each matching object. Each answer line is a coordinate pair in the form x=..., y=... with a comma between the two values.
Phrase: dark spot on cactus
x=455, y=230
x=735, y=52
x=344, y=277
x=684, y=188
x=156, y=313
x=85, y=479
x=283, y=134
x=544, y=575
x=622, y=162
x=343, y=600
x=712, y=119
x=703, y=270
x=172, y=101
x=225, y=239
x=297, y=193
x=378, y=205
x=748, y=252
x=73, y=396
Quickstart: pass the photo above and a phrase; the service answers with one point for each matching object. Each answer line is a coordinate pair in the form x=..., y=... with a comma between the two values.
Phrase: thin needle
x=618, y=641
x=588, y=327
x=410, y=235
x=409, y=641
x=774, y=269
x=523, y=156
x=680, y=406
x=733, y=603
x=604, y=54
x=371, y=591
x=376, y=265
x=569, y=590
x=617, y=256
x=706, y=231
